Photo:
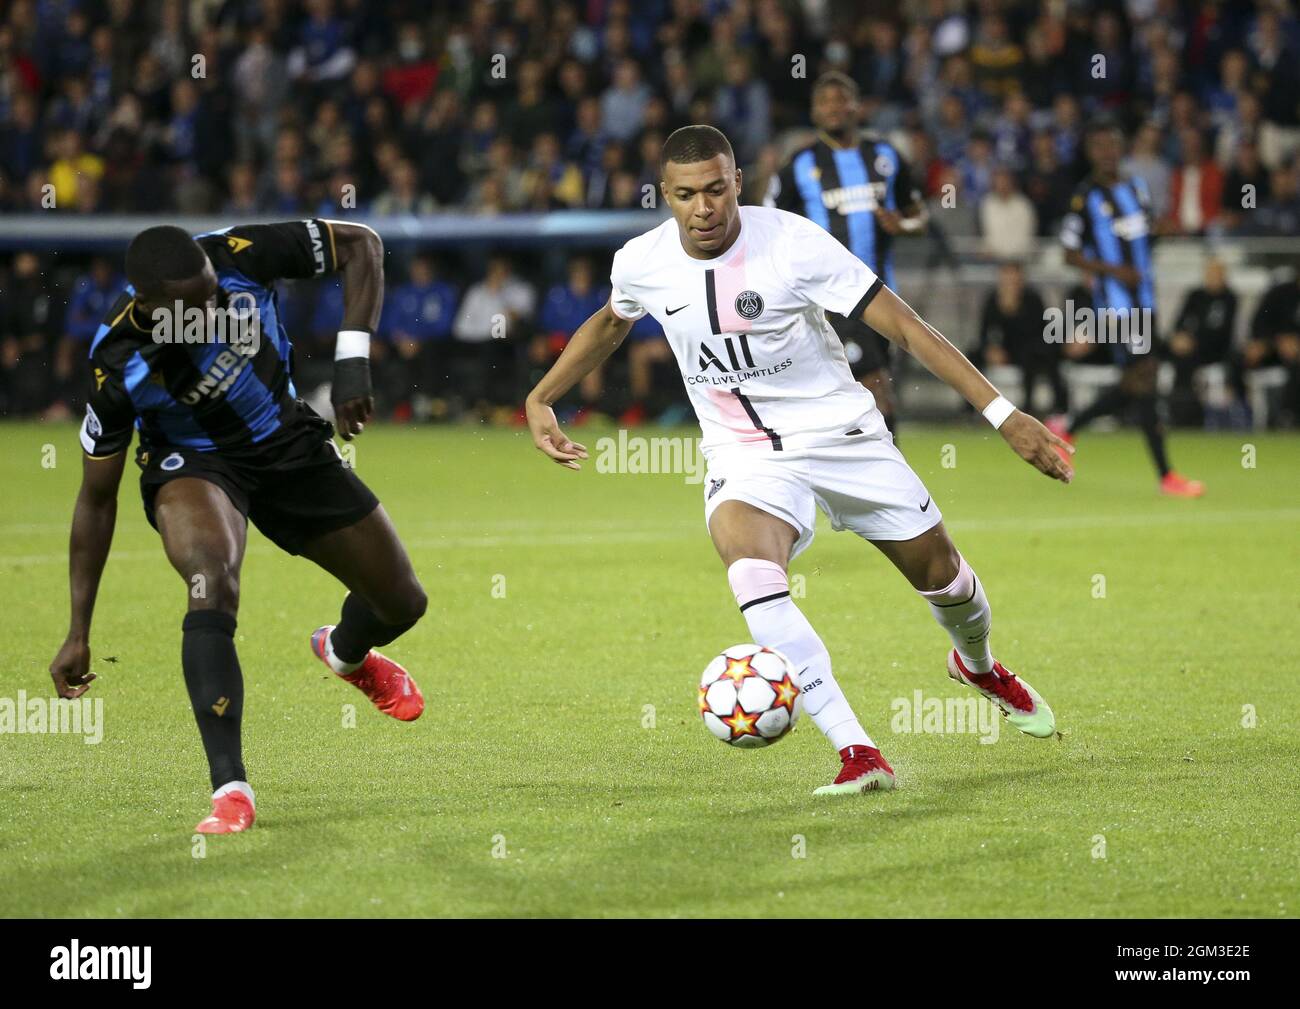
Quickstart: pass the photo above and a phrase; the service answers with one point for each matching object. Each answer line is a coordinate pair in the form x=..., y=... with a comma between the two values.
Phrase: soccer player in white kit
x=740, y=293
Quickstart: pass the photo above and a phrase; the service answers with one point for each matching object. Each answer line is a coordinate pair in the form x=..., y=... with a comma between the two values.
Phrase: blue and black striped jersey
x=206, y=395
x=840, y=188
x=1113, y=224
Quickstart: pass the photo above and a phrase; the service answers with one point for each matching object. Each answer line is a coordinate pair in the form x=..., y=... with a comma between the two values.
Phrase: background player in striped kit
x=1108, y=235
x=860, y=189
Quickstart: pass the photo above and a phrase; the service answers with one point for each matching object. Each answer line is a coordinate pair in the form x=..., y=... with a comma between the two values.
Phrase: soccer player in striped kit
x=225, y=439
x=742, y=295
x=1108, y=235
x=861, y=190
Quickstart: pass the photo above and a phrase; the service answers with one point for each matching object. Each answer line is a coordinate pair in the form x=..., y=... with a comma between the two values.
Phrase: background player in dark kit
x=1108, y=235
x=223, y=439
x=861, y=190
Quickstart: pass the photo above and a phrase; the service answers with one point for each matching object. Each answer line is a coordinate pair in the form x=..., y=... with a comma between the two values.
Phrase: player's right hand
x=549, y=439
x=71, y=669
x=1038, y=446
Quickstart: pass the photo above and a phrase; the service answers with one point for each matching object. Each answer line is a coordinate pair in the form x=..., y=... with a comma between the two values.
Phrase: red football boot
x=863, y=770
x=231, y=813
x=389, y=686
x=1020, y=703
x=1179, y=486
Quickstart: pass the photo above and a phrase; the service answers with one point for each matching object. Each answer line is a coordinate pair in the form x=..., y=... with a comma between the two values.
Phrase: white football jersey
x=761, y=364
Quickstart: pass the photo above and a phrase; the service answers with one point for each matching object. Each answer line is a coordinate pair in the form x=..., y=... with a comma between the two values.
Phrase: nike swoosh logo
x=674, y=311
x=926, y=505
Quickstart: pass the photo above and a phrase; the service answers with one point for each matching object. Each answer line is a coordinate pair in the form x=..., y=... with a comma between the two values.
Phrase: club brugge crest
x=749, y=305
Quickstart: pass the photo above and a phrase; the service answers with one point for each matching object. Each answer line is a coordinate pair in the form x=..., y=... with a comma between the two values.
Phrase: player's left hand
x=1037, y=446
x=351, y=396
x=350, y=417
x=70, y=669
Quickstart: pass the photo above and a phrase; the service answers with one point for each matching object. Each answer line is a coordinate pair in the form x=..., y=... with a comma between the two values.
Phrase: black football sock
x=359, y=630
x=1149, y=420
x=1110, y=401
x=216, y=688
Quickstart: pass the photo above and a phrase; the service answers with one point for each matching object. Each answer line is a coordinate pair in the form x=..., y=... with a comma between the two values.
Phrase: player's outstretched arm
x=360, y=253
x=891, y=316
x=594, y=341
x=93, y=521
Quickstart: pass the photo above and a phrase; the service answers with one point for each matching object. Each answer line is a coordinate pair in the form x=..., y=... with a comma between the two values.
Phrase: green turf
x=534, y=739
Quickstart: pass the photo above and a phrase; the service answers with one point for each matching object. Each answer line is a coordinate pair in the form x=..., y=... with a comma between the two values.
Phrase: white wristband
x=352, y=343
x=998, y=411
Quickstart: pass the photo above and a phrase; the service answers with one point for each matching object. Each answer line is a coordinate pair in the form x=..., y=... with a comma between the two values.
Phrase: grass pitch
x=571, y=612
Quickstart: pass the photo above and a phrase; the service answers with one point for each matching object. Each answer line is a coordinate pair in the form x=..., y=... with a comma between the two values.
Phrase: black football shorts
x=294, y=486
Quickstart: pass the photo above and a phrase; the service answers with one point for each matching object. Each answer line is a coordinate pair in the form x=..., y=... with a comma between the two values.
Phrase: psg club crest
x=749, y=305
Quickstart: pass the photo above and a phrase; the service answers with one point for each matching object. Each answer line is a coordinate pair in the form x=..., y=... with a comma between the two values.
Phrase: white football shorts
x=862, y=483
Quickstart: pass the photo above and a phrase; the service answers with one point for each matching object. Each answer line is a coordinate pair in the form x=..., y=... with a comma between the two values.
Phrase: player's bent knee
x=944, y=567
x=213, y=586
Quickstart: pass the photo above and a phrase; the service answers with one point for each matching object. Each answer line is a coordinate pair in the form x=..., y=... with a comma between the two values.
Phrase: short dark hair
x=162, y=254
x=837, y=79
x=694, y=143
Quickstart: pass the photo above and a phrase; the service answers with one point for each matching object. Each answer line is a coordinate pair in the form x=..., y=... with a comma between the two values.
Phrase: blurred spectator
x=21, y=139
x=93, y=293
x=1145, y=162
x=1202, y=335
x=1196, y=196
x=322, y=53
x=1277, y=214
x=1012, y=329
x=495, y=315
x=1245, y=186
x=242, y=185
x=566, y=307
x=71, y=164
x=952, y=210
x=742, y=109
x=549, y=182
x=28, y=335
x=1275, y=341
x=977, y=166
x=997, y=59
x=1048, y=185
x=1008, y=222
x=416, y=324
x=403, y=194
x=623, y=103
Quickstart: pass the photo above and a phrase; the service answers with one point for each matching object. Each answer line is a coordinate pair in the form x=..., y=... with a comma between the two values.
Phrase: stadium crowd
x=347, y=108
